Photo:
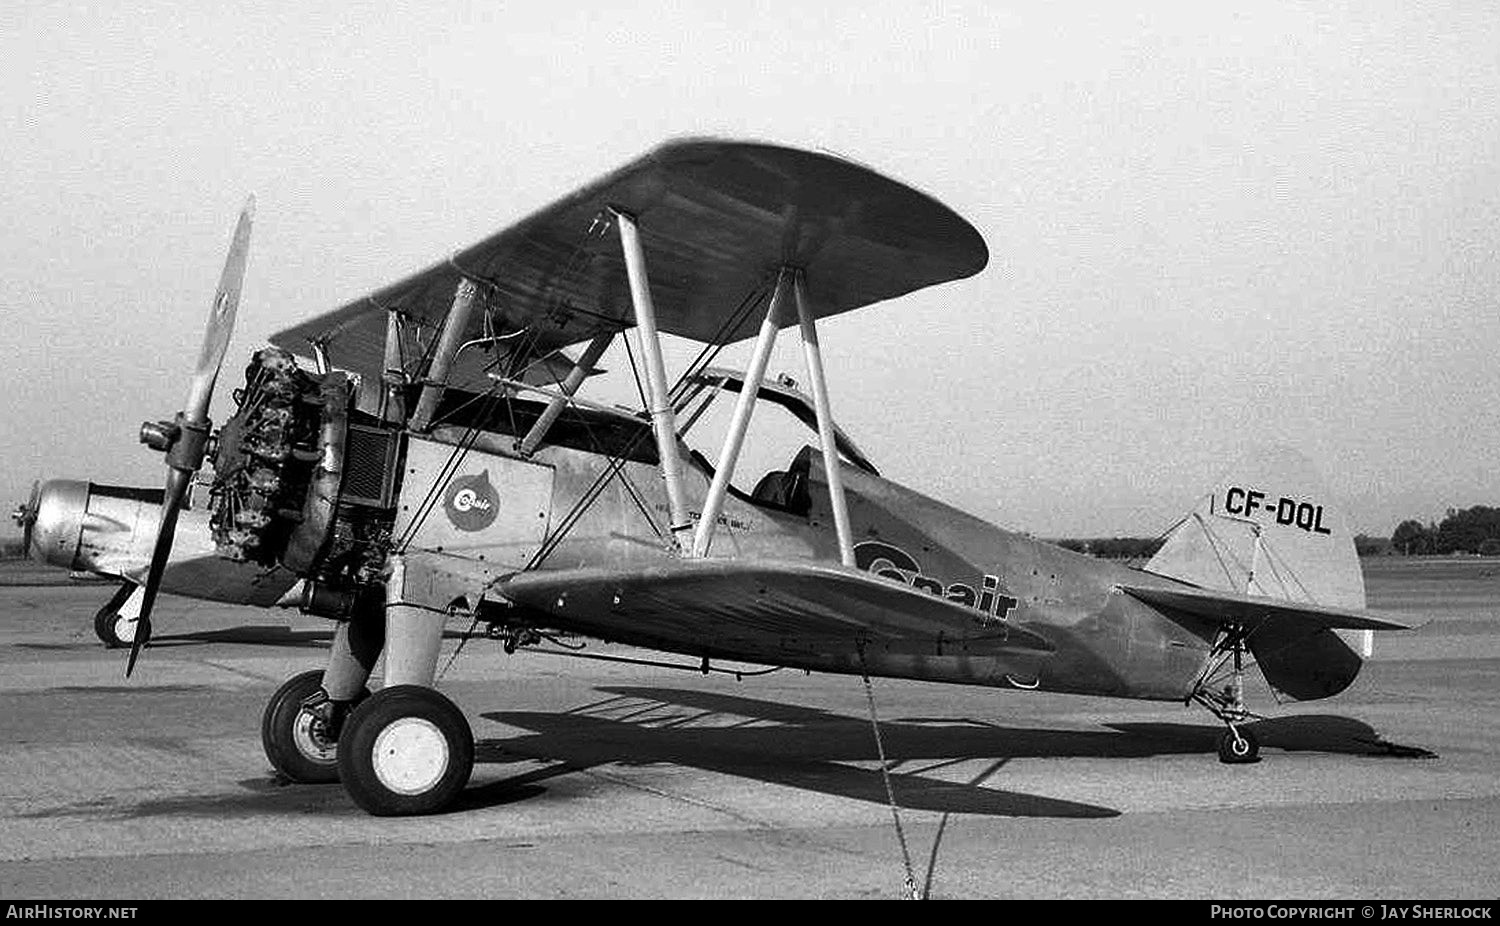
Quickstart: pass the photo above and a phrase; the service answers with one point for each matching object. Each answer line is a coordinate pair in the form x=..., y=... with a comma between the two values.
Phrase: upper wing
x=762, y=606
x=1228, y=607
x=717, y=219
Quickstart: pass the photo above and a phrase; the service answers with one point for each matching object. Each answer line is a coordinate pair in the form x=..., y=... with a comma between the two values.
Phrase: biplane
x=427, y=450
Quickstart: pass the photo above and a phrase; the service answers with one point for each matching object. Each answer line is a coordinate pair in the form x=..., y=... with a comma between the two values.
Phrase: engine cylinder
x=279, y=493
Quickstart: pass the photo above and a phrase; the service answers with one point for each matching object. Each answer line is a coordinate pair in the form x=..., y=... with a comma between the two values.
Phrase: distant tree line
x=1468, y=530
x=1365, y=545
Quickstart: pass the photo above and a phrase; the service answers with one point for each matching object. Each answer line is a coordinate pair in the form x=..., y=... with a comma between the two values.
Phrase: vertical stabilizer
x=1269, y=527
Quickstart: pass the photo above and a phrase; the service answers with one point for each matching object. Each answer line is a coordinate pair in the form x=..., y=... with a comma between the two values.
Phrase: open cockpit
x=775, y=466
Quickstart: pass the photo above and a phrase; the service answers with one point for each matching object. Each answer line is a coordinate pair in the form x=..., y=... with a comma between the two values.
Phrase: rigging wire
x=885, y=776
x=617, y=461
x=455, y=459
x=468, y=634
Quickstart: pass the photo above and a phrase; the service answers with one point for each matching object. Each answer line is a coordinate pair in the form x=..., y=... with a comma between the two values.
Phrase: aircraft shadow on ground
x=814, y=749
x=777, y=743
x=811, y=749
x=259, y=635
x=255, y=634
x=1328, y=733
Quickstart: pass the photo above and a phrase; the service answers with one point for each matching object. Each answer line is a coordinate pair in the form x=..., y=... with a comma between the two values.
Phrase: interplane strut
x=663, y=422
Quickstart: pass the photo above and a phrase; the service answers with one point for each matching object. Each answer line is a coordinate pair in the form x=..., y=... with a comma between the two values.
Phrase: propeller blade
x=171, y=504
x=189, y=435
x=220, y=319
x=25, y=516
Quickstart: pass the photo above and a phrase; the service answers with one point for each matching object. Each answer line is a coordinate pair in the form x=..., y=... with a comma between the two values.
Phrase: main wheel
x=296, y=736
x=114, y=629
x=1239, y=750
x=406, y=750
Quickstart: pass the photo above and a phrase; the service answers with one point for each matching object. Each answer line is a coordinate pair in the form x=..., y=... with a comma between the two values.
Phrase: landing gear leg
x=406, y=749
x=1238, y=745
x=304, y=720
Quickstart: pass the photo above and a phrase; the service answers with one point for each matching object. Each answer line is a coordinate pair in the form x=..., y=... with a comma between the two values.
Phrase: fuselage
x=494, y=512
x=1106, y=642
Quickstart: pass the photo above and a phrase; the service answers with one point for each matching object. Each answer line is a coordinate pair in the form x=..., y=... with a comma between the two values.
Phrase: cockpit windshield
x=775, y=460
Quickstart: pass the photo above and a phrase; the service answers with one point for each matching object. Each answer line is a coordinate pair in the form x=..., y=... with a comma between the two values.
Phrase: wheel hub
x=410, y=756
x=311, y=737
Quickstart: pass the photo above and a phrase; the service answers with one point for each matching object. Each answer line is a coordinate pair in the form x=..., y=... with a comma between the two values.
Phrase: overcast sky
x=1208, y=228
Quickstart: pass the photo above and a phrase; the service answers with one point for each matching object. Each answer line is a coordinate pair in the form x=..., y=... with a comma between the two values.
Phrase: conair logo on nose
x=471, y=502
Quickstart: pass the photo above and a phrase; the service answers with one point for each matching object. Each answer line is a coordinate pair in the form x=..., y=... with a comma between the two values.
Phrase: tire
x=1239, y=750
x=293, y=738
x=114, y=630
x=405, y=751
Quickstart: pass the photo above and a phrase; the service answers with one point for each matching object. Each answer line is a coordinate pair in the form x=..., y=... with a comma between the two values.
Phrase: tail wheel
x=296, y=734
x=406, y=750
x=1238, y=747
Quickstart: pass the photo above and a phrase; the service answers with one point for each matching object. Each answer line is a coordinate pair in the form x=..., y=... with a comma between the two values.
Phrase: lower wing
x=763, y=606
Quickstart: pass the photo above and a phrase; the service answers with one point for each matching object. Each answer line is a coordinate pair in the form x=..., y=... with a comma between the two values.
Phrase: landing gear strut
x=405, y=749
x=1238, y=745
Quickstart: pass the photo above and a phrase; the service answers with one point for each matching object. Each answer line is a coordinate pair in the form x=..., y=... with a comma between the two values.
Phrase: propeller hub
x=25, y=513
x=159, y=435
x=25, y=517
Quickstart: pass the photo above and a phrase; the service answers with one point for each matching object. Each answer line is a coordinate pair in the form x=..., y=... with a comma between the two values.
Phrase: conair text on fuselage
x=892, y=562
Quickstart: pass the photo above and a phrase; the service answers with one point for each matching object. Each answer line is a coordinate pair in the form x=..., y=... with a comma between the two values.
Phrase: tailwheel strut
x=1226, y=699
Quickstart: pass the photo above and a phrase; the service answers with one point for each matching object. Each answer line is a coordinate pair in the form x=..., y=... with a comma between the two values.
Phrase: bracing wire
x=617, y=462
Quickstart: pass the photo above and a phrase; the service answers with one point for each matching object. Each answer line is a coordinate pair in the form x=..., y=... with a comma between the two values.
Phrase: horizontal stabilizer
x=1250, y=610
x=767, y=604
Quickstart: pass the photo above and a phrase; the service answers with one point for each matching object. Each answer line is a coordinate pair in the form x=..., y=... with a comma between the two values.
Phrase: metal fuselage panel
x=1107, y=643
x=472, y=504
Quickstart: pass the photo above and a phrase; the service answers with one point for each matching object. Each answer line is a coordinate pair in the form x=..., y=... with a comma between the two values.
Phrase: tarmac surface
x=601, y=780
